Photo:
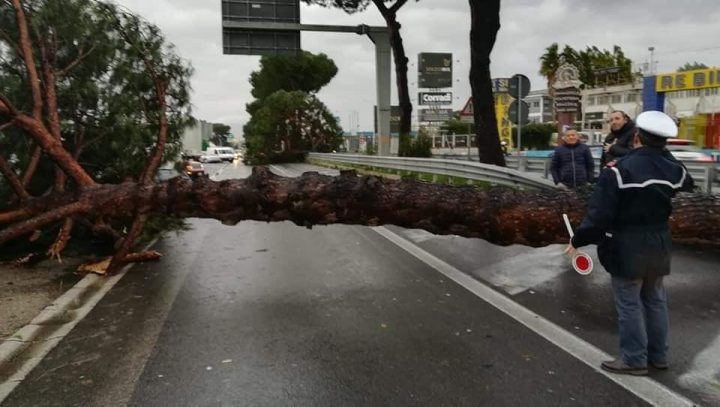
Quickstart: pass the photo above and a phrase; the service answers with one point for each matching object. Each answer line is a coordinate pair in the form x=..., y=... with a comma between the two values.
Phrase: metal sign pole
x=519, y=114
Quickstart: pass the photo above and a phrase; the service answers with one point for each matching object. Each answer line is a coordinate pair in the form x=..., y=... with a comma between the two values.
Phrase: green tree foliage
x=592, y=64
x=287, y=119
x=220, y=134
x=106, y=100
x=421, y=145
x=536, y=136
x=307, y=72
x=692, y=66
x=286, y=125
x=457, y=126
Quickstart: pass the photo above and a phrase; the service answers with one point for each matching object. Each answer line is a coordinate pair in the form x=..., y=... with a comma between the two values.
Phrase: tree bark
x=401, y=66
x=500, y=215
x=485, y=23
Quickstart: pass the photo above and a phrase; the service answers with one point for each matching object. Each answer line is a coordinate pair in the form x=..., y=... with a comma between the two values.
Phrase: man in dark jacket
x=572, y=163
x=627, y=215
x=619, y=141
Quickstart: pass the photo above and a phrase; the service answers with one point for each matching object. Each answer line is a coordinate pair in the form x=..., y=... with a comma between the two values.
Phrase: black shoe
x=659, y=365
x=619, y=367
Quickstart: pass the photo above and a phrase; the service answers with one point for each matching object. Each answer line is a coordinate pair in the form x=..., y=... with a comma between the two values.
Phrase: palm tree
x=549, y=63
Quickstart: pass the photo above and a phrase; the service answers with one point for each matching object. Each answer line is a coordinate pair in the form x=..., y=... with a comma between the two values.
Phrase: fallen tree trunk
x=499, y=215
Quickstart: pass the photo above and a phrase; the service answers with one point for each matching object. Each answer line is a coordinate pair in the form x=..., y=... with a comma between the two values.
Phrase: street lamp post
x=652, y=64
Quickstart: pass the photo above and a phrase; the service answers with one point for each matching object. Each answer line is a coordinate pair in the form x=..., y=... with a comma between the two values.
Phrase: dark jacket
x=572, y=165
x=627, y=214
x=622, y=139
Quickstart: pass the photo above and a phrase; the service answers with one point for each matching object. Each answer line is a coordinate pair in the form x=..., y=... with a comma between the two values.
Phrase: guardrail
x=705, y=174
x=454, y=168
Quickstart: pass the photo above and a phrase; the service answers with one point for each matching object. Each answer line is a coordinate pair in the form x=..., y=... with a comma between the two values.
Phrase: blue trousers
x=642, y=319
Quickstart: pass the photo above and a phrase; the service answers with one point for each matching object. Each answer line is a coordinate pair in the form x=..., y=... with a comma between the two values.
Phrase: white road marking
x=519, y=272
x=418, y=235
x=703, y=375
x=645, y=388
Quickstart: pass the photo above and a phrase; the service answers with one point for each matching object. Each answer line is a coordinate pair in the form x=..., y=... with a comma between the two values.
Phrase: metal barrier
x=529, y=172
x=454, y=168
x=705, y=174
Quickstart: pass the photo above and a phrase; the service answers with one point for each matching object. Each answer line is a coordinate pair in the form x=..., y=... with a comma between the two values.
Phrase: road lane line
x=645, y=388
x=703, y=374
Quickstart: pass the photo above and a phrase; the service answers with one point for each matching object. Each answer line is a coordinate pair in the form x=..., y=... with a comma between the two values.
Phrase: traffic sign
x=519, y=86
x=521, y=107
x=467, y=114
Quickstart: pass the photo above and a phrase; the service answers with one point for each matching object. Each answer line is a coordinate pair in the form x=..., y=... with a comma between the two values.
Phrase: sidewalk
x=27, y=290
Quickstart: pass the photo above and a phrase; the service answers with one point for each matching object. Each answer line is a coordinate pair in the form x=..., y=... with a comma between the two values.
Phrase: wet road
x=275, y=314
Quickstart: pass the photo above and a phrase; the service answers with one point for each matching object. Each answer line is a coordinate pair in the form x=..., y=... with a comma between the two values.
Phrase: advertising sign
x=434, y=70
x=435, y=115
x=501, y=85
x=435, y=98
x=695, y=79
x=502, y=105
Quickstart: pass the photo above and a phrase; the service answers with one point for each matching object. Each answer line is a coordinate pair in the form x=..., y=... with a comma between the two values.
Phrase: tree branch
x=12, y=179
x=381, y=7
x=64, y=71
x=32, y=165
x=398, y=4
x=11, y=43
x=26, y=47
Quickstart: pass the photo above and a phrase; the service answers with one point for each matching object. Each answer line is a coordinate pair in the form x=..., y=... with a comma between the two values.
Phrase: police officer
x=627, y=216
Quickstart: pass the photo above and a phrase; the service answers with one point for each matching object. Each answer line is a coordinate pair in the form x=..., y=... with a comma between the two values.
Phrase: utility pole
x=652, y=63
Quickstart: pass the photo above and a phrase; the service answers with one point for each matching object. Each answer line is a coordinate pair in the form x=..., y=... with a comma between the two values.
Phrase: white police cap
x=657, y=123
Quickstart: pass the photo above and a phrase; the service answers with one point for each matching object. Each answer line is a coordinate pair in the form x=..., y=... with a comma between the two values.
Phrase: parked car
x=191, y=155
x=210, y=158
x=689, y=153
x=193, y=169
x=166, y=173
x=225, y=153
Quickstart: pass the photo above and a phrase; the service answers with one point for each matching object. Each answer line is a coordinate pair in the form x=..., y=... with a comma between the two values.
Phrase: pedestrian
x=619, y=141
x=572, y=163
x=627, y=216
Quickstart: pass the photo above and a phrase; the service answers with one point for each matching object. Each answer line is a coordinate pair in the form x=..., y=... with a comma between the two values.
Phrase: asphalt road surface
x=275, y=314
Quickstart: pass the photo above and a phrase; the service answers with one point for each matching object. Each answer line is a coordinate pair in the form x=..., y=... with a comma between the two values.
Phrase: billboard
x=695, y=79
x=502, y=105
x=434, y=70
x=501, y=85
x=435, y=115
x=244, y=41
x=435, y=98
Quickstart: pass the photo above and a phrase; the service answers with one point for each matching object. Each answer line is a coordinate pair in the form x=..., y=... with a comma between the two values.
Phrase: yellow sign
x=502, y=104
x=695, y=79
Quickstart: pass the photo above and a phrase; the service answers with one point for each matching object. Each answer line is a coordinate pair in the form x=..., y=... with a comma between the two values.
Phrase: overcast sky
x=680, y=31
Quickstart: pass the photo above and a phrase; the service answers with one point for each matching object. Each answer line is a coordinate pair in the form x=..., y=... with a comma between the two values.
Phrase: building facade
x=540, y=104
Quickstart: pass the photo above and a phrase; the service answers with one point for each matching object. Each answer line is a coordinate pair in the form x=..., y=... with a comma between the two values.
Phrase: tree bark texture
x=400, y=60
x=500, y=215
x=485, y=23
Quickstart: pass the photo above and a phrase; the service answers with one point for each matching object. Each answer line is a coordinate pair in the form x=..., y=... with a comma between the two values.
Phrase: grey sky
x=680, y=31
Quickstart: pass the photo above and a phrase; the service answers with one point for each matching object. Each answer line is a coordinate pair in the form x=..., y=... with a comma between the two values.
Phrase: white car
x=225, y=153
x=689, y=153
x=210, y=158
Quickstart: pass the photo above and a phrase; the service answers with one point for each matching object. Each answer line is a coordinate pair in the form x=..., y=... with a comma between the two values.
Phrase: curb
x=51, y=325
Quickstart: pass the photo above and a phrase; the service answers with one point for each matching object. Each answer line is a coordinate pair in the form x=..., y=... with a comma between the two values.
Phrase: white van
x=225, y=153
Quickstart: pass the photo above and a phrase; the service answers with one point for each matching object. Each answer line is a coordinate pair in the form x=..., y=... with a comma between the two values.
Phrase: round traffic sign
x=519, y=86
x=521, y=107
